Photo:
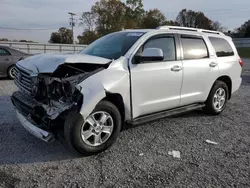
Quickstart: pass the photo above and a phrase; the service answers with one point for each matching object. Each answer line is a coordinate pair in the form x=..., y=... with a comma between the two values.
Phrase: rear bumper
x=236, y=84
x=33, y=129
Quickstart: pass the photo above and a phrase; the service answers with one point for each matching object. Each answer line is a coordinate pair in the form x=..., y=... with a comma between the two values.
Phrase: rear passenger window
x=194, y=47
x=222, y=47
x=3, y=52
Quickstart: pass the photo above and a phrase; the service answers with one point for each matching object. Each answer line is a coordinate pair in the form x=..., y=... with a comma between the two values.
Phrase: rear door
x=156, y=86
x=200, y=68
x=5, y=60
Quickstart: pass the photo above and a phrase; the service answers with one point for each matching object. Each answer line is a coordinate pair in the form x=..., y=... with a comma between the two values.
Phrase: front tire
x=97, y=133
x=10, y=72
x=217, y=99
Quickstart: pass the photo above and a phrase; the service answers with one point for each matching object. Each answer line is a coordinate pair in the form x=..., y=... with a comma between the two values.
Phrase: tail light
x=241, y=62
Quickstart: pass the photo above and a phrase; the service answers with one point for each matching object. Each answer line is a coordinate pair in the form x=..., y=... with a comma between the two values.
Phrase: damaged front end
x=45, y=99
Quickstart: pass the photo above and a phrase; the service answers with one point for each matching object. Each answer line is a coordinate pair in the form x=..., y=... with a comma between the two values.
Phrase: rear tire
x=217, y=99
x=10, y=72
x=92, y=135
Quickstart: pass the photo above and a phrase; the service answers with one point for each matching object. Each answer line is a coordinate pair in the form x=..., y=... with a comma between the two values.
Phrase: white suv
x=132, y=76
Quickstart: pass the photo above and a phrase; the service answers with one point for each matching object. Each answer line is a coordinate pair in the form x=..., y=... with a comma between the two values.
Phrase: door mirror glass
x=150, y=54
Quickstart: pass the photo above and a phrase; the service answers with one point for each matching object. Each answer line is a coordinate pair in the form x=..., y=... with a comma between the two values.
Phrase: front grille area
x=28, y=107
x=23, y=103
x=23, y=80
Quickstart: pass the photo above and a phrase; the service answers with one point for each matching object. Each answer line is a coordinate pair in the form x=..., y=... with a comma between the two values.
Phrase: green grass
x=244, y=52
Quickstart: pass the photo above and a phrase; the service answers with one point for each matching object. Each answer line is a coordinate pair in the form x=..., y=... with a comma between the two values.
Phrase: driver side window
x=165, y=43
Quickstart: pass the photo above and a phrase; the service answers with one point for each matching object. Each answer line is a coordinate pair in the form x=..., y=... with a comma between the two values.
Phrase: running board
x=164, y=114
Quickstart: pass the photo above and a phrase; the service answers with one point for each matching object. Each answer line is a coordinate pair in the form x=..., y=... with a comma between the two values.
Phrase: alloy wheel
x=219, y=99
x=97, y=128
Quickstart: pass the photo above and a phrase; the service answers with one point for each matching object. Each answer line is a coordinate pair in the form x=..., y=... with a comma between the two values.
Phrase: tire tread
x=73, y=124
x=209, y=108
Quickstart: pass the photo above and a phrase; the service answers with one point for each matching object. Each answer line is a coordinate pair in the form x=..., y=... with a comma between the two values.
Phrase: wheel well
x=117, y=100
x=7, y=70
x=227, y=80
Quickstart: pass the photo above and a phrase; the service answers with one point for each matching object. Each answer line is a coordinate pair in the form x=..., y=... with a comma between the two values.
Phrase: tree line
x=107, y=16
x=7, y=40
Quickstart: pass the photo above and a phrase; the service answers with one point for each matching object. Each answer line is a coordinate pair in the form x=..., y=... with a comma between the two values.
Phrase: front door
x=156, y=86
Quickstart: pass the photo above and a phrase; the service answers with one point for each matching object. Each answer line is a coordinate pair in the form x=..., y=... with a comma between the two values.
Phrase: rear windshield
x=222, y=47
x=112, y=46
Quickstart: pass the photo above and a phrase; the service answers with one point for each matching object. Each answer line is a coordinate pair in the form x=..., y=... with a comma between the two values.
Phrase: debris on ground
x=175, y=154
x=211, y=142
x=141, y=154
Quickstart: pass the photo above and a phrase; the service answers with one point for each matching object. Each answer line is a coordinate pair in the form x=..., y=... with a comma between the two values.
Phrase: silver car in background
x=8, y=58
x=132, y=76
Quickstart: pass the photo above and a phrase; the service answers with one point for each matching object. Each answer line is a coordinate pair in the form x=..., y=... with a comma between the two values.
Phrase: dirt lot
x=246, y=66
x=140, y=156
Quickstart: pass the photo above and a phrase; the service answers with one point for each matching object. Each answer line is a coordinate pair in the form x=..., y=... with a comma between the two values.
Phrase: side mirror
x=150, y=54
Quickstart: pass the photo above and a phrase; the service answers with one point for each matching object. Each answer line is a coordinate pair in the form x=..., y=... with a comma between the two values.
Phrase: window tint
x=3, y=52
x=222, y=47
x=167, y=44
x=194, y=48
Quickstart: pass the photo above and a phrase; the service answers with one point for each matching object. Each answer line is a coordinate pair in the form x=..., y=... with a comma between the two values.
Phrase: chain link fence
x=38, y=48
x=242, y=42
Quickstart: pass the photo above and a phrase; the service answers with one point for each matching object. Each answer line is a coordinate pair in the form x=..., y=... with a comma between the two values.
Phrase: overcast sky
x=44, y=14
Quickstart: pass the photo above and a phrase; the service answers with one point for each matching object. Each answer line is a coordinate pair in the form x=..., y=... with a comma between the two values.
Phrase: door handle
x=6, y=59
x=176, y=68
x=213, y=64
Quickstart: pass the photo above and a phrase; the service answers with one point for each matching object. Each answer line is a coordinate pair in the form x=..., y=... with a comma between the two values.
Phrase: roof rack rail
x=190, y=29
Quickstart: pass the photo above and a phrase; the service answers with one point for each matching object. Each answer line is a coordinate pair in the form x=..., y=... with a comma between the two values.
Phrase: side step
x=163, y=114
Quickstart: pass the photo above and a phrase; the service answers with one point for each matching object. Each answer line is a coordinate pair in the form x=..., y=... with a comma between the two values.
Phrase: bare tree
x=88, y=20
x=217, y=26
x=189, y=18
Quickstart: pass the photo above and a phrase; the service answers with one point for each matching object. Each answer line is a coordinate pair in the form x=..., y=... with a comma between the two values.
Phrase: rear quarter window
x=221, y=47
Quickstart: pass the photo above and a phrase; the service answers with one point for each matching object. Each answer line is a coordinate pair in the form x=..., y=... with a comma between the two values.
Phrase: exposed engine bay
x=55, y=93
x=60, y=85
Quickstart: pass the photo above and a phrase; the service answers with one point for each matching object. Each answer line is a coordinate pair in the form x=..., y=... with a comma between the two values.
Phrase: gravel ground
x=140, y=156
x=246, y=66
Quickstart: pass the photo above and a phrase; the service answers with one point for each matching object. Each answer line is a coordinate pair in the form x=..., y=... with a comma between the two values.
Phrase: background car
x=8, y=58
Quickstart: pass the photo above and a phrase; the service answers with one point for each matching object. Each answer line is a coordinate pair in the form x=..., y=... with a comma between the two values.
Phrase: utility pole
x=72, y=23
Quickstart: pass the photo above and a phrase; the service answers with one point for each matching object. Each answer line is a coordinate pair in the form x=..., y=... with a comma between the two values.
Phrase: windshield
x=112, y=46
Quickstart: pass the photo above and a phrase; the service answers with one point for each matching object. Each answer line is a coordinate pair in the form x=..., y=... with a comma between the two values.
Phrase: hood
x=48, y=63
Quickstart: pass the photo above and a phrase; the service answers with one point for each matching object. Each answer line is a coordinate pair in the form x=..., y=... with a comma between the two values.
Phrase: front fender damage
x=92, y=96
x=109, y=82
x=55, y=94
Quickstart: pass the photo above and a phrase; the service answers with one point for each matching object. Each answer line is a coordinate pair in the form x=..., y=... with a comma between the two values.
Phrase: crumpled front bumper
x=25, y=108
x=33, y=129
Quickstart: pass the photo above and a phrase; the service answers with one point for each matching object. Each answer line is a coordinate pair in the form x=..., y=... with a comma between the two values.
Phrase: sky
x=49, y=15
